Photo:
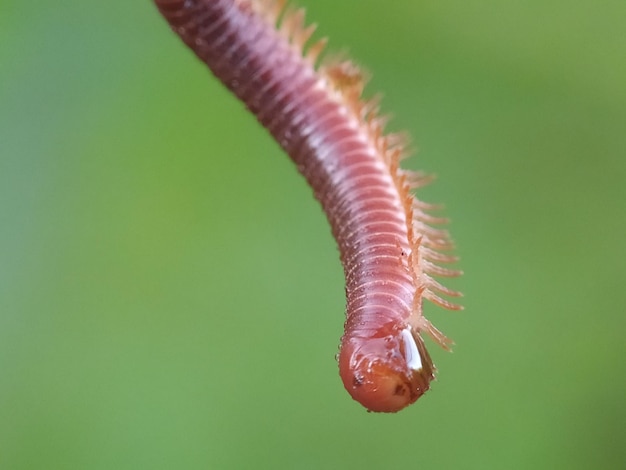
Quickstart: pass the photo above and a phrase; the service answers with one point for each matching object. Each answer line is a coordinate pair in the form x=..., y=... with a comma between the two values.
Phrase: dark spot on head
x=357, y=380
x=400, y=390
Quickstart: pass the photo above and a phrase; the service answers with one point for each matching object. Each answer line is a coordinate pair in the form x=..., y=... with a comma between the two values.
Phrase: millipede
x=391, y=246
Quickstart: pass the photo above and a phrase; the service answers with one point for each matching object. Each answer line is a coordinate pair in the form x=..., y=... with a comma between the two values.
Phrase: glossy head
x=387, y=372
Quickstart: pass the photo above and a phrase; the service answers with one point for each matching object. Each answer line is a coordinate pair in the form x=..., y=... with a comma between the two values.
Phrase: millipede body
x=390, y=251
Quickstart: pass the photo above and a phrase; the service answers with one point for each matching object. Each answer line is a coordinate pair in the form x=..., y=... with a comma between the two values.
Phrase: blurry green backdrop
x=170, y=294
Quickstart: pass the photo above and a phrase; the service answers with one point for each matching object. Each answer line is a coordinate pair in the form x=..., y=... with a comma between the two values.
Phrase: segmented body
x=263, y=54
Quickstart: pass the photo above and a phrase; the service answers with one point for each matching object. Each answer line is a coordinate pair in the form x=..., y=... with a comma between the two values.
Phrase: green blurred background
x=170, y=294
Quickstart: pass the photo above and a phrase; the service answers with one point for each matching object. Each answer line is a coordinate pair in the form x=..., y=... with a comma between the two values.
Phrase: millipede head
x=387, y=372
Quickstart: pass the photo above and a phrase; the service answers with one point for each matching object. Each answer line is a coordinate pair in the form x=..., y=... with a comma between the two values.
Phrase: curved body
x=263, y=54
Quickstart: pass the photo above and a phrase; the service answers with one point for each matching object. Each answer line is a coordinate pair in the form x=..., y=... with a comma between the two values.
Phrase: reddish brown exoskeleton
x=261, y=50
